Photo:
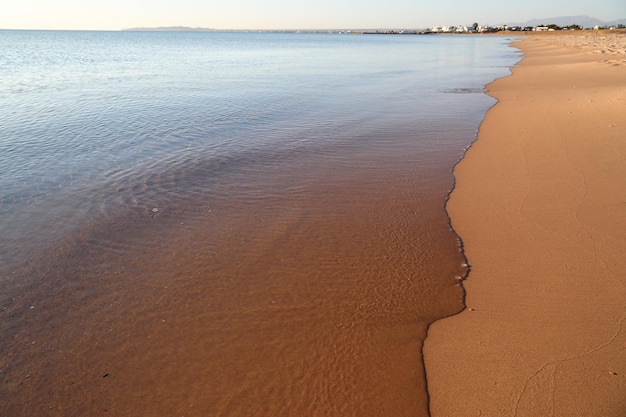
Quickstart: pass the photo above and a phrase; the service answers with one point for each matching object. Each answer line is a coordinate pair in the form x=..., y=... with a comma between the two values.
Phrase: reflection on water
x=250, y=230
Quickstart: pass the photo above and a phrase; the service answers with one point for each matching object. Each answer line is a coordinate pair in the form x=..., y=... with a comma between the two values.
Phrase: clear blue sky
x=290, y=14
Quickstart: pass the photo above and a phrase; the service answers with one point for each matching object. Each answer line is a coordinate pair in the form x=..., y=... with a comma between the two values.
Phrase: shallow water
x=229, y=223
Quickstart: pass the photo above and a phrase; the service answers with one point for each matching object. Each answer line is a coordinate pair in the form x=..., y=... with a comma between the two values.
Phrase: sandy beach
x=540, y=205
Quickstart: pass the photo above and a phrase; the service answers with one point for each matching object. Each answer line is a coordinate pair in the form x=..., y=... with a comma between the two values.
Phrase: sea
x=230, y=223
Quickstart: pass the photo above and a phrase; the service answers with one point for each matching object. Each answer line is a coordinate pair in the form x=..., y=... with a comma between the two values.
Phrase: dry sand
x=540, y=204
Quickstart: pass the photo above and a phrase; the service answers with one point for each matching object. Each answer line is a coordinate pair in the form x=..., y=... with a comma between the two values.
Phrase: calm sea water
x=229, y=223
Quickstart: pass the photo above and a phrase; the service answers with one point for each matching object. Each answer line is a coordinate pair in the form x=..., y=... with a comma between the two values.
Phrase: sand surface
x=540, y=205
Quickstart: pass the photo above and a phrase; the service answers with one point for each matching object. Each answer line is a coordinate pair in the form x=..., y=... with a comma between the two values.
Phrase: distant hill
x=584, y=21
x=170, y=29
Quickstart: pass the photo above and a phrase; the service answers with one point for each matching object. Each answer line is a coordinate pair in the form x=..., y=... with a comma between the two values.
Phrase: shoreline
x=541, y=191
x=249, y=272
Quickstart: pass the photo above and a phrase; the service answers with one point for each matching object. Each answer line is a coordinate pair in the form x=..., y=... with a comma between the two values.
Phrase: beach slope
x=540, y=204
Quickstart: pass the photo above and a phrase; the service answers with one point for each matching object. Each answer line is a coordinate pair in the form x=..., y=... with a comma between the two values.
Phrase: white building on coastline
x=486, y=29
x=462, y=29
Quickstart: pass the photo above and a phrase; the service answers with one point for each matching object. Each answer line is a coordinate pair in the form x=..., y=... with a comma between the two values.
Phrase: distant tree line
x=577, y=27
x=476, y=28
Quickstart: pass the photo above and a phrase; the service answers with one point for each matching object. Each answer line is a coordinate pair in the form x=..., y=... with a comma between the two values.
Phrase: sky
x=290, y=14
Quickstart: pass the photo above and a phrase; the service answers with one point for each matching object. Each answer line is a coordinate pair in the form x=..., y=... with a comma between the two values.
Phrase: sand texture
x=540, y=205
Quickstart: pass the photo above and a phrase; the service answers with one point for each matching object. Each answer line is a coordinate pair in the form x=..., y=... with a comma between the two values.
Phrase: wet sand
x=541, y=209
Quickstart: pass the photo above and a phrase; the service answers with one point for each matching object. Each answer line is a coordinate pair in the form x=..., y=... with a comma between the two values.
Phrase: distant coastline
x=535, y=25
x=200, y=29
x=169, y=29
